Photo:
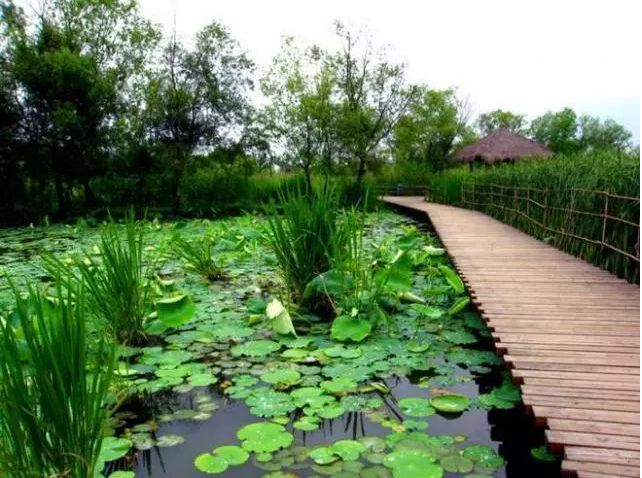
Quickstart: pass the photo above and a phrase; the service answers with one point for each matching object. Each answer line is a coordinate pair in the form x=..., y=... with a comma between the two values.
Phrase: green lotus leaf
x=265, y=402
x=202, y=379
x=226, y=331
x=429, y=311
x=345, y=328
x=451, y=403
x=416, y=407
x=281, y=377
x=255, y=348
x=412, y=464
x=453, y=279
x=332, y=469
x=456, y=464
x=417, y=347
x=210, y=464
x=264, y=437
x=541, y=453
x=307, y=423
x=376, y=471
x=323, y=455
x=333, y=282
x=330, y=411
x=342, y=351
x=484, y=455
x=309, y=396
x=338, y=385
x=233, y=455
x=376, y=444
x=175, y=311
x=414, y=425
x=296, y=354
x=348, y=450
x=459, y=337
x=113, y=448
x=122, y=474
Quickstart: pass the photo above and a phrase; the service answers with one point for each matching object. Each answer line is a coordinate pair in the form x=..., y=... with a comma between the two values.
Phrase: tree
x=488, y=122
x=436, y=120
x=607, y=135
x=557, y=130
x=300, y=119
x=198, y=98
x=71, y=69
x=371, y=97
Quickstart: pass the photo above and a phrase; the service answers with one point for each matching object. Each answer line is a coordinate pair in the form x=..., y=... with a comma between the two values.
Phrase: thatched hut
x=501, y=145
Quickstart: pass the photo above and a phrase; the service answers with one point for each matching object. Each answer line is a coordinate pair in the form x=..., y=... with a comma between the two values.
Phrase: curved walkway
x=569, y=331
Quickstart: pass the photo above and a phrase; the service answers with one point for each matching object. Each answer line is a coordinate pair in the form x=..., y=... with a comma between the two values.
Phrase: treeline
x=101, y=108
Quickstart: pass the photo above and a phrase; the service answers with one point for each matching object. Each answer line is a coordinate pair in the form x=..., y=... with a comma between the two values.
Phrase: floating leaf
x=338, y=385
x=541, y=453
x=202, y=379
x=416, y=407
x=412, y=464
x=255, y=348
x=459, y=337
x=264, y=437
x=417, y=347
x=169, y=440
x=281, y=377
x=113, y=448
x=486, y=456
x=265, y=402
x=452, y=403
x=175, y=311
x=348, y=450
x=456, y=464
x=307, y=423
x=323, y=455
x=346, y=328
x=333, y=282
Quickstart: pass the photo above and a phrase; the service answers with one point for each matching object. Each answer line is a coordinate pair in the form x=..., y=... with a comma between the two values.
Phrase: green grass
x=615, y=173
x=199, y=256
x=54, y=381
x=117, y=283
x=304, y=236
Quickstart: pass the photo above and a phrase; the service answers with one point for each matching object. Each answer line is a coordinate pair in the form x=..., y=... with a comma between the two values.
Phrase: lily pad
x=175, y=311
x=412, y=464
x=113, y=448
x=307, y=423
x=323, y=455
x=452, y=403
x=281, y=377
x=264, y=437
x=348, y=450
x=338, y=385
x=255, y=348
x=416, y=407
x=346, y=328
x=169, y=440
x=264, y=402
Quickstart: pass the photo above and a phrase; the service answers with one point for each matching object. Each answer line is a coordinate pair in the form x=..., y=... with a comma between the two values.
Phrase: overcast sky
x=527, y=56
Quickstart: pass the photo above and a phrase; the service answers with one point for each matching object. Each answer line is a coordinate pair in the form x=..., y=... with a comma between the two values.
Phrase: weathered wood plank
x=569, y=331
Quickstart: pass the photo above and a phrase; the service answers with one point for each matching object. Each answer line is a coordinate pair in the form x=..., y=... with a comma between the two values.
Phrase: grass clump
x=118, y=284
x=199, y=256
x=54, y=381
x=305, y=236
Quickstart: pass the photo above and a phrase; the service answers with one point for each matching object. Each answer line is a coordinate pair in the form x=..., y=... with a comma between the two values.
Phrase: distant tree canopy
x=100, y=108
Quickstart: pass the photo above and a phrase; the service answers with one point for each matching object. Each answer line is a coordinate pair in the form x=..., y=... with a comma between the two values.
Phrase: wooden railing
x=534, y=206
x=401, y=190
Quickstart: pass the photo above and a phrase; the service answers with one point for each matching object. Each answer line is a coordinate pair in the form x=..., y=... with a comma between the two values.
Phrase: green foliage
x=305, y=237
x=618, y=173
x=118, y=285
x=54, y=381
x=488, y=122
x=199, y=255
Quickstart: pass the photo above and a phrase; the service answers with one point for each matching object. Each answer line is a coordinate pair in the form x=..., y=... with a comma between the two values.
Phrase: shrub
x=199, y=256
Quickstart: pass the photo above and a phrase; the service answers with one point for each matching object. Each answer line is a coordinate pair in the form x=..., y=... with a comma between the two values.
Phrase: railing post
x=545, y=218
x=604, y=218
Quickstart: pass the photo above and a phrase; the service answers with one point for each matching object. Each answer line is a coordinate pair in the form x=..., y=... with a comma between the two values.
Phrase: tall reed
x=54, y=381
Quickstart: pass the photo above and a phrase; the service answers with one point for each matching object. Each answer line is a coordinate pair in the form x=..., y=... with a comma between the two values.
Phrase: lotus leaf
x=459, y=337
x=417, y=347
x=264, y=402
x=341, y=351
x=459, y=305
x=348, y=450
x=453, y=279
x=456, y=464
x=169, y=440
x=345, y=328
x=255, y=348
x=264, y=437
x=339, y=385
x=281, y=377
x=484, y=455
x=541, y=453
x=202, y=379
x=416, y=407
x=323, y=455
x=175, y=311
x=113, y=448
x=373, y=443
x=307, y=423
x=412, y=464
x=451, y=403
x=122, y=474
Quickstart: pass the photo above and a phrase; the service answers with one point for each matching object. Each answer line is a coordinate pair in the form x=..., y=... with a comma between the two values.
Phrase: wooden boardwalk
x=569, y=331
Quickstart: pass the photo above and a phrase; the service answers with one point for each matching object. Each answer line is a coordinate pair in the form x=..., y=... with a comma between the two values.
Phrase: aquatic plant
x=199, y=255
x=54, y=384
x=305, y=236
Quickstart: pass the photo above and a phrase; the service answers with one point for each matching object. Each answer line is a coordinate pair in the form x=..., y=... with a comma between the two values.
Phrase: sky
x=527, y=56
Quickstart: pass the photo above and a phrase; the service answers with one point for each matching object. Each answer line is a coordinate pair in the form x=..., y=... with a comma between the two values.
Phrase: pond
x=424, y=395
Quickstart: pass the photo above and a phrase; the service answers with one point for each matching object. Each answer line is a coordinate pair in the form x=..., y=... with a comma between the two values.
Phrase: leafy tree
x=435, y=122
x=557, y=130
x=608, y=135
x=198, y=98
x=300, y=119
x=372, y=96
x=488, y=122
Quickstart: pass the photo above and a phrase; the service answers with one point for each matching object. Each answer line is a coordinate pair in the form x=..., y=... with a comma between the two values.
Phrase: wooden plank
x=569, y=331
x=588, y=426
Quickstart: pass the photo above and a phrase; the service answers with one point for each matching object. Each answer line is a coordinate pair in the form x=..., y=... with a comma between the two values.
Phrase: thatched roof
x=501, y=145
